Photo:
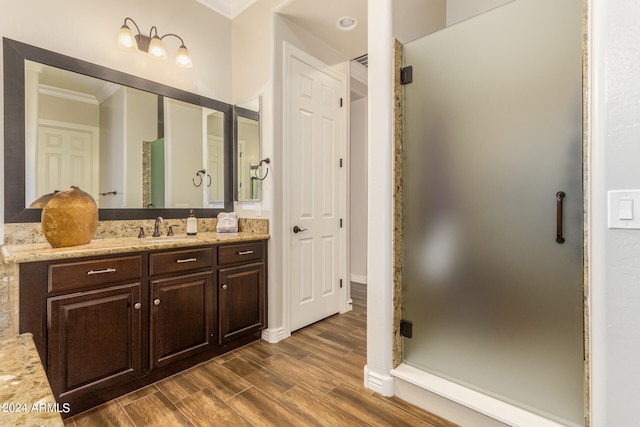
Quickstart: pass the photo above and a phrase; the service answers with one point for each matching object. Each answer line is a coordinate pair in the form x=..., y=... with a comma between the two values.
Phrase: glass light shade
x=126, y=39
x=156, y=48
x=183, y=59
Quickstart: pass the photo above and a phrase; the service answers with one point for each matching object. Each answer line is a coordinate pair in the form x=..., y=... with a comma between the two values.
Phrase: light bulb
x=126, y=39
x=156, y=48
x=183, y=59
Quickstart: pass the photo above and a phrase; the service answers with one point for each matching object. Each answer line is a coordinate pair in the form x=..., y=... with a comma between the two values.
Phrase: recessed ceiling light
x=346, y=23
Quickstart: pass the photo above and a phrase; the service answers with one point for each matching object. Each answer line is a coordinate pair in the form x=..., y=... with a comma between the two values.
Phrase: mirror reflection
x=248, y=150
x=126, y=147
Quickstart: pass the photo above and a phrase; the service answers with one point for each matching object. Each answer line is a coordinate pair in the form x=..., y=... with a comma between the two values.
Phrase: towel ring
x=199, y=176
x=255, y=176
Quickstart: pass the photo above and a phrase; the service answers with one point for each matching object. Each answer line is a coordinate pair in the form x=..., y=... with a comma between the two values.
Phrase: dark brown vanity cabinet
x=105, y=326
x=94, y=339
x=94, y=324
x=182, y=304
x=241, y=290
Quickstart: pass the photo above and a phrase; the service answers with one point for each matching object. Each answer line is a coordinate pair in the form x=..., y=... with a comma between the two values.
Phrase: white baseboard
x=274, y=335
x=383, y=384
x=359, y=279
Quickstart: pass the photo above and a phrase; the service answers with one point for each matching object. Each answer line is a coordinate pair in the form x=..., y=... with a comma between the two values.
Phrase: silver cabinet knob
x=224, y=286
x=156, y=301
x=137, y=306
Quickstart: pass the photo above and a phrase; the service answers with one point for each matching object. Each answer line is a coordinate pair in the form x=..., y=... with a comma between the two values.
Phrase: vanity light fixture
x=346, y=23
x=151, y=44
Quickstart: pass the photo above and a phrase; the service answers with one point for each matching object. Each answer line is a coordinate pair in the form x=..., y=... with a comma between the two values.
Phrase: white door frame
x=291, y=51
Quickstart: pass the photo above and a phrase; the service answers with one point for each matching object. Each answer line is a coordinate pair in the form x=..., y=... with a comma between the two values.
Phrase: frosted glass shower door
x=493, y=132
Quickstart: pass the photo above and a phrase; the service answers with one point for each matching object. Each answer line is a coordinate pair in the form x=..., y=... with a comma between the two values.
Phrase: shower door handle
x=559, y=198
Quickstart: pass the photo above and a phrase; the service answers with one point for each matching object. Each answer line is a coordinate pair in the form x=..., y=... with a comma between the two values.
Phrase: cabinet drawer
x=91, y=274
x=177, y=261
x=242, y=252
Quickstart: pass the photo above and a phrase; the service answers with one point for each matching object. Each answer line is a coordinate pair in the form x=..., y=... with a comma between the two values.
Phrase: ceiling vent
x=364, y=59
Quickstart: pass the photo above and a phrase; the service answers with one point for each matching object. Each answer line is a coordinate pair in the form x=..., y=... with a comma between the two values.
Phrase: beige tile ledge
x=25, y=395
x=44, y=252
x=31, y=232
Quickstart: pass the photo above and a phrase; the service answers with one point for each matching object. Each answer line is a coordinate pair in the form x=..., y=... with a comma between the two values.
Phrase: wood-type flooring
x=313, y=378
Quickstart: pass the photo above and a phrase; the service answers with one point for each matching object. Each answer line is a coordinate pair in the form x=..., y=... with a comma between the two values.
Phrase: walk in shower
x=492, y=206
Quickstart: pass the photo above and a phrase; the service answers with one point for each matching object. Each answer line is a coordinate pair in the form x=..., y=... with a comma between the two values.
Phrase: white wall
x=252, y=66
x=141, y=125
x=459, y=10
x=358, y=200
x=183, y=139
x=87, y=30
x=112, y=149
x=379, y=257
x=615, y=254
x=413, y=19
x=252, y=46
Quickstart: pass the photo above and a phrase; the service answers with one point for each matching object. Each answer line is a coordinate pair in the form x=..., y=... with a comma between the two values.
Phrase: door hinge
x=341, y=102
x=406, y=75
x=340, y=283
x=406, y=328
x=340, y=222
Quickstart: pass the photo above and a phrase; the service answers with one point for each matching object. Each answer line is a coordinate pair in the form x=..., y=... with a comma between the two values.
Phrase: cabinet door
x=182, y=319
x=94, y=339
x=241, y=295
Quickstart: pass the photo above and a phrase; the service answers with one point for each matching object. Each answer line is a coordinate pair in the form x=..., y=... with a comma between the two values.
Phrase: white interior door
x=244, y=173
x=66, y=158
x=315, y=146
x=215, y=170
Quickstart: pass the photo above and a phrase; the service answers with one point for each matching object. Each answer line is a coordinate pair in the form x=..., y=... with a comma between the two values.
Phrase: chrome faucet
x=156, y=231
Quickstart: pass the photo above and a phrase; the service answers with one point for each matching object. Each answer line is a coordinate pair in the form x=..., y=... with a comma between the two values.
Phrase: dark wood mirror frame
x=15, y=54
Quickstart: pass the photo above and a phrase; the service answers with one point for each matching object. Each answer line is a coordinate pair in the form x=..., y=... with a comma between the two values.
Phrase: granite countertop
x=25, y=395
x=44, y=252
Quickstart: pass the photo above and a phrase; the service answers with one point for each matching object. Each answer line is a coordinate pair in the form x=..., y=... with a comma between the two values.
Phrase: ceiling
x=316, y=17
x=319, y=18
x=228, y=8
x=411, y=19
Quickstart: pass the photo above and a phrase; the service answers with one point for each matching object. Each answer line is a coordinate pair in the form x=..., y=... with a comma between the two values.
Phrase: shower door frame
x=403, y=372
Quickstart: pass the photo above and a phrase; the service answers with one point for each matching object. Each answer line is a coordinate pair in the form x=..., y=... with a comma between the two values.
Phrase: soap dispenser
x=192, y=224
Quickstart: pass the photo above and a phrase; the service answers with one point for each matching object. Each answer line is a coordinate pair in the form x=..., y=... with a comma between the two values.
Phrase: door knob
x=297, y=229
x=156, y=301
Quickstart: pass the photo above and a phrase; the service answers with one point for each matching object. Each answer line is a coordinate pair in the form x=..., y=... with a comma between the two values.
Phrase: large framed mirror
x=250, y=172
x=140, y=148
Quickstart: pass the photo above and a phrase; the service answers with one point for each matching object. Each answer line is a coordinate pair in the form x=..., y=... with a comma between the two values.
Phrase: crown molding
x=228, y=8
x=67, y=94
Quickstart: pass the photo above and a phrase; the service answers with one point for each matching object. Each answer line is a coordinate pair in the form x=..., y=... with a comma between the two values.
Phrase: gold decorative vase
x=41, y=201
x=69, y=218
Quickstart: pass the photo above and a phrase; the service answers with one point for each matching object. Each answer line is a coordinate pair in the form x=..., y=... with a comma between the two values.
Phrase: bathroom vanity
x=118, y=314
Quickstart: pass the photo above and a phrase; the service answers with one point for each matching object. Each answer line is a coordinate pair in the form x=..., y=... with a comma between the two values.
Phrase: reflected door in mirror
x=247, y=149
x=66, y=156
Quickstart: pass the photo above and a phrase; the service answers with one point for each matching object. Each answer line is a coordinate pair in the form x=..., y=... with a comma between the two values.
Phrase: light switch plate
x=624, y=209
